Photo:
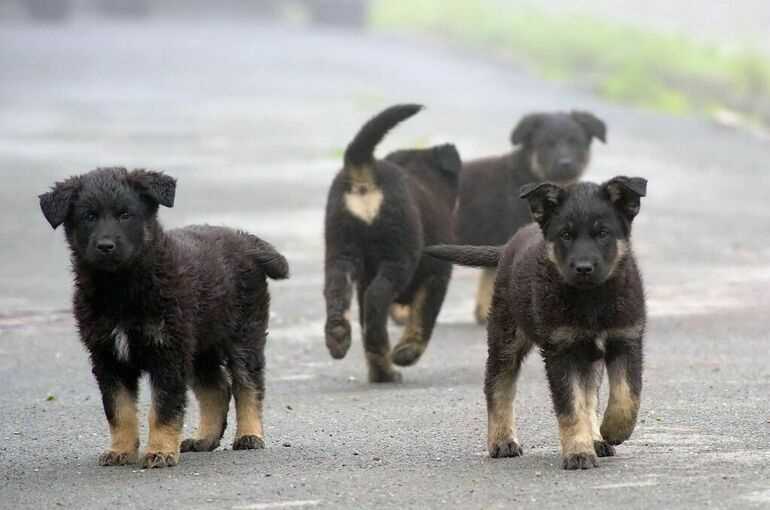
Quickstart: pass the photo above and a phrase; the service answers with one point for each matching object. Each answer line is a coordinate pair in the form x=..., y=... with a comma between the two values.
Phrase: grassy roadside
x=625, y=64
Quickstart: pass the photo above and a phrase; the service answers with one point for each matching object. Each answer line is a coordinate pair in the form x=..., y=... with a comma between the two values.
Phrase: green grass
x=626, y=64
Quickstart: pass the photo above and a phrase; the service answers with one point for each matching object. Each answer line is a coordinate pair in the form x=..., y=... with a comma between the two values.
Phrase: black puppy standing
x=570, y=286
x=379, y=215
x=553, y=147
x=179, y=305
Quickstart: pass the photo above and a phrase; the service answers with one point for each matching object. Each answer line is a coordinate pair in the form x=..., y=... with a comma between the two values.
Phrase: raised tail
x=361, y=149
x=475, y=256
x=273, y=263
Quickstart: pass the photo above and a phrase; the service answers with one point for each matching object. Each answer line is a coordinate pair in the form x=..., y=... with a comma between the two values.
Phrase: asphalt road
x=251, y=119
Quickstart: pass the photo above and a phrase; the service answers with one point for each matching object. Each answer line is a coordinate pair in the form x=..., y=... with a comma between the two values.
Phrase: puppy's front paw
x=248, y=443
x=160, y=459
x=113, y=458
x=604, y=449
x=338, y=338
x=407, y=353
x=505, y=448
x=199, y=445
x=583, y=460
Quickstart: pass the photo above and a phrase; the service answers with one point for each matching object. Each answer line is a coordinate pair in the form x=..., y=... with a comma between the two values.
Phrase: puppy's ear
x=56, y=203
x=522, y=133
x=625, y=194
x=591, y=124
x=448, y=159
x=544, y=199
x=157, y=186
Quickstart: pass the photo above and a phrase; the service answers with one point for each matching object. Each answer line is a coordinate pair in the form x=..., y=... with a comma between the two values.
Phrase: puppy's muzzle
x=105, y=246
x=564, y=169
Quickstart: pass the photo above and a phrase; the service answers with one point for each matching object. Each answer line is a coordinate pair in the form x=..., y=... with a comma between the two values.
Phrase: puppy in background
x=554, y=147
x=379, y=216
x=570, y=286
x=185, y=305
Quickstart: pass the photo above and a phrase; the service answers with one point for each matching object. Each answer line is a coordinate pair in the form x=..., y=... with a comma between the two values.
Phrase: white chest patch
x=120, y=344
x=364, y=205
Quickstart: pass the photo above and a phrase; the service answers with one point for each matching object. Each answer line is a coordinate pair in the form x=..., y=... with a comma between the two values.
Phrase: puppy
x=553, y=147
x=187, y=305
x=379, y=216
x=570, y=286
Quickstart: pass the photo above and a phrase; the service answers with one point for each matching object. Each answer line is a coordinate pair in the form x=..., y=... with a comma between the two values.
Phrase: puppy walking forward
x=570, y=286
x=186, y=306
x=379, y=216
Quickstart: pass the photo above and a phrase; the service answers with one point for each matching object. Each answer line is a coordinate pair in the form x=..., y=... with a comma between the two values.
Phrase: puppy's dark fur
x=379, y=216
x=571, y=287
x=552, y=147
x=185, y=306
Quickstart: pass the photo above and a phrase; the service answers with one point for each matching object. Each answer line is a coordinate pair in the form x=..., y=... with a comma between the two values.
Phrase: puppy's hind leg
x=484, y=294
x=212, y=390
x=423, y=314
x=376, y=301
x=338, y=290
x=247, y=367
x=507, y=351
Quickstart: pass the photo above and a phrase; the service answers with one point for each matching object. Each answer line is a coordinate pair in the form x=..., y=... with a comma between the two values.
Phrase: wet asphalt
x=252, y=120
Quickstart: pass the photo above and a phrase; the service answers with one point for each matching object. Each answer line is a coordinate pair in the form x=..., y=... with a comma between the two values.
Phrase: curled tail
x=273, y=263
x=361, y=149
x=476, y=256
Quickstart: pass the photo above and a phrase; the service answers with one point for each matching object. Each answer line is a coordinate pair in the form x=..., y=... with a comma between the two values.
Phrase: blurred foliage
x=662, y=71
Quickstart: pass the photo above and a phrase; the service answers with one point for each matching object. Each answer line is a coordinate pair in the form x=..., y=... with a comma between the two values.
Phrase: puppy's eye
x=90, y=216
x=603, y=234
x=565, y=236
x=125, y=216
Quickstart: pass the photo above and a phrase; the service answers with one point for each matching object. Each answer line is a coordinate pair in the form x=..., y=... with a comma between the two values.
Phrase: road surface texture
x=252, y=120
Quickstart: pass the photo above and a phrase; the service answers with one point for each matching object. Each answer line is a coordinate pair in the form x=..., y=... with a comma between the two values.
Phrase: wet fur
x=489, y=210
x=580, y=328
x=374, y=243
x=187, y=306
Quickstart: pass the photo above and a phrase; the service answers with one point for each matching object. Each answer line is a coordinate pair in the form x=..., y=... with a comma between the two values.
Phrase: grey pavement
x=252, y=120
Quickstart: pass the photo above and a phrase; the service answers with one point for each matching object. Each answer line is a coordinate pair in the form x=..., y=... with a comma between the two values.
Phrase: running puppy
x=379, y=216
x=179, y=305
x=570, y=286
x=554, y=147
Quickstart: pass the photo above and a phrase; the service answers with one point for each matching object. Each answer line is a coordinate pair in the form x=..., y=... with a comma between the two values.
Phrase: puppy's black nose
x=584, y=268
x=105, y=246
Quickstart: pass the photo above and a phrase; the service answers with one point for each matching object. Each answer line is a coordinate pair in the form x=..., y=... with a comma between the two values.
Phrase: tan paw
x=113, y=458
x=582, y=460
x=505, y=448
x=160, y=459
x=248, y=442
